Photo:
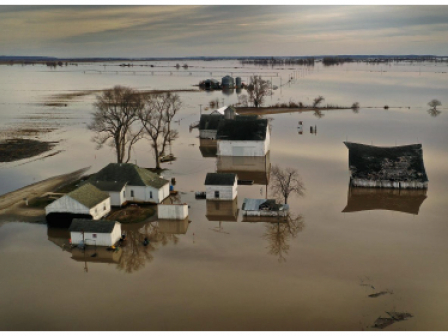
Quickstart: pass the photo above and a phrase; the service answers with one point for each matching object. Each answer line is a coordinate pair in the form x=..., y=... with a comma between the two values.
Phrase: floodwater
x=218, y=272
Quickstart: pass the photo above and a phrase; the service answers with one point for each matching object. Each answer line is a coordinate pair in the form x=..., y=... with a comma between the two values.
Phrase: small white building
x=221, y=186
x=243, y=136
x=127, y=182
x=95, y=232
x=87, y=201
x=172, y=211
x=208, y=125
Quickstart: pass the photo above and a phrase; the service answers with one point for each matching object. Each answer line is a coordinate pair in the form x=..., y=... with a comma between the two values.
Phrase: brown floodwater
x=348, y=257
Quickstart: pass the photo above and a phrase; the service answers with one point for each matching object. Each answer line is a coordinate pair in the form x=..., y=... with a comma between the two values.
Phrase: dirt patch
x=17, y=149
x=132, y=214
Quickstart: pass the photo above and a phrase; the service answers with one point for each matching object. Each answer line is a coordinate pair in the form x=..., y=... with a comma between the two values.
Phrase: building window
x=132, y=193
x=150, y=194
x=216, y=194
x=104, y=207
x=93, y=235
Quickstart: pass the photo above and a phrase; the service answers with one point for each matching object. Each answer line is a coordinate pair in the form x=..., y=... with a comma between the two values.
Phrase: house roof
x=128, y=173
x=88, y=195
x=109, y=186
x=221, y=179
x=242, y=128
x=89, y=225
x=210, y=121
x=399, y=163
x=253, y=204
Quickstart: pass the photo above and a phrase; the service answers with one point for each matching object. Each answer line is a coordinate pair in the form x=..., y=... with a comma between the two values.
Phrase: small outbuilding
x=172, y=211
x=264, y=208
x=221, y=186
x=86, y=201
x=243, y=136
x=95, y=232
x=208, y=125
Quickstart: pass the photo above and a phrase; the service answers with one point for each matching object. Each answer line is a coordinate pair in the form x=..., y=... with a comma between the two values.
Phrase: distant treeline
x=337, y=60
x=309, y=61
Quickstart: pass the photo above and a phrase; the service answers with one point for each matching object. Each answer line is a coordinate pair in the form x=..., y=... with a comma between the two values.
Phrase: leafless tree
x=243, y=100
x=257, y=90
x=317, y=101
x=116, y=110
x=355, y=107
x=433, y=111
x=279, y=234
x=156, y=119
x=286, y=182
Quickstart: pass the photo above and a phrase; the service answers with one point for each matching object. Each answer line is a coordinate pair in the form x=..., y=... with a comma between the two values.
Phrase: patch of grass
x=72, y=186
x=132, y=214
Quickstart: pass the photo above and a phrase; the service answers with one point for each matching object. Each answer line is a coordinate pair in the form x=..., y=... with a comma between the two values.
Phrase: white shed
x=87, y=201
x=140, y=184
x=243, y=136
x=172, y=211
x=95, y=232
x=221, y=186
x=264, y=208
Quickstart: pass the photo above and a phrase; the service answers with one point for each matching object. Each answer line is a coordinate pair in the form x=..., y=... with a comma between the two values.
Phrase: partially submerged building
x=264, y=208
x=208, y=125
x=127, y=182
x=222, y=211
x=172, y=211
x=243, y=136
x=95, y=232
x=86, y=201
x=221, y=186
x=399, y=167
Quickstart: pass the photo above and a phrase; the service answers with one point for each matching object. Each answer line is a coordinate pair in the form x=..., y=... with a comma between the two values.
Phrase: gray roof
x=128, y=173
x=88, y=195
x=210, y=121
x=242, y=128
x=224, y=179
x=399, y=163
x=252, y=204
x=109, y=186
x=89, y=225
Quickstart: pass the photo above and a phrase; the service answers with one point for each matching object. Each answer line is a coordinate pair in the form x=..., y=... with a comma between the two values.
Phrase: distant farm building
x=210, y=84
x=243, y=136
x=220, y=186
x=95, y=232
x=127, y=182
x=227, y=82
x=264, y=208
x=399, y=167
x=86, y=201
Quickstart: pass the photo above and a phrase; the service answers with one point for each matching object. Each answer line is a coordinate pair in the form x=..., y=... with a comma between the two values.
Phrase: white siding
x=116, y=197
x=143, y=194
x=225, y=192
x=172, y=211
x=207, y=134
x=163, y=193
x=67, y=204
x=139, y=193
x=101, y=239
x=241, y=148
x=100, y=210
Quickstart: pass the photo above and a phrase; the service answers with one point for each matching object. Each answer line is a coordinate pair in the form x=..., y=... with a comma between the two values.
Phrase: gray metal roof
x=224, y=179
x=88, y=195
x=109, y=186
x=253, y=204
x=210, y=121
x=89, y=225
x=128, y=173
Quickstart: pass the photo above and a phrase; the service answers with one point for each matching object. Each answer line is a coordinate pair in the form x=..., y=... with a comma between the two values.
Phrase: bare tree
x=286, y=182
x=116, y=110
x=257, y=90
x=156, y=119
x=433, y=111
x=243, y=100
x=317, y=101
x=355, y=107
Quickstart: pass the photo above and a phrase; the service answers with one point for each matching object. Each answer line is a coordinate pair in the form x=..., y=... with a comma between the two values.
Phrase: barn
x=127, y=182
x=243, y=136
x=95, y=232
x=208, y=125
x=221, y=186
x=86, y=201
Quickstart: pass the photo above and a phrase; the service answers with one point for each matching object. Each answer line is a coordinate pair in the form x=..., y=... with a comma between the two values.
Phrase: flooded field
x=352, y=260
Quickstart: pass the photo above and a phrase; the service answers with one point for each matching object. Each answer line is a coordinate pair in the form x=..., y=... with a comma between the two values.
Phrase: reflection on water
x=222, y=211
x=402, y=200
x=248, y=168
x=279, y=235
x=208, y=147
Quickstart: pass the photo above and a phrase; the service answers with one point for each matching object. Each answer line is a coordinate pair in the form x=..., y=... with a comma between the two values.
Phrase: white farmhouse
x=127, y=182
x=243, y=136
x=221, y=186
x=208, y=125
x=85, y=202
x=92, y=232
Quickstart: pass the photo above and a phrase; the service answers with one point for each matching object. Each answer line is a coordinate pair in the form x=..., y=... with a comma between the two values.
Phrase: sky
x=181, y=31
